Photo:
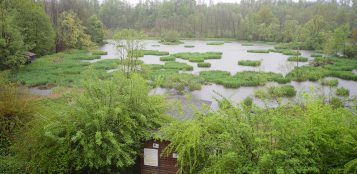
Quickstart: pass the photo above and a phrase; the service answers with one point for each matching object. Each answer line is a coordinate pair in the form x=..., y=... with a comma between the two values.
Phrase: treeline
x=309, y=24
x=26, y=27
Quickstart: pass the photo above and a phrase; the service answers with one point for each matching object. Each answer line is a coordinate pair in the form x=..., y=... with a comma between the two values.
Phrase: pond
x=232, y=53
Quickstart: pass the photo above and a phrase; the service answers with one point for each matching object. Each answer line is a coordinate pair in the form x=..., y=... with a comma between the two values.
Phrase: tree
x=35, y=27
x=12, y=48
x=101, y=129
x=313, y=33
x=129, y=44
x=336, y=41
x=95, y=29
x=71, y=33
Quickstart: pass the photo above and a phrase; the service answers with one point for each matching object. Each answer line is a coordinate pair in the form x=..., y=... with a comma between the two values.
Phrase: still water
x=232, y=53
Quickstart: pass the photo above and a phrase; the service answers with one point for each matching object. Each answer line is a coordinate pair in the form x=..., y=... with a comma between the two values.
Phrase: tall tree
x=71, y=33
x=95, y=29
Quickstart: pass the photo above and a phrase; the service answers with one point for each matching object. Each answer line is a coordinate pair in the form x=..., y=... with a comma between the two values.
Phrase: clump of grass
x=168, y=58
x=164, y=42
x=281, y=46
x=297, y=59
x=331, y=83
x=258, y=51
x=204, y=64
x=198, y=57
x=155, y=45
x=342, y=91
x=249, y=62
x=304, y=73
x=276, y=92
x=215, y=43
x=178, y=66
x=291, y=52
x=141, y=53
x=99, y=52
x=316, y=55
x=189, y=46
x=245, y=78
x=155, y=52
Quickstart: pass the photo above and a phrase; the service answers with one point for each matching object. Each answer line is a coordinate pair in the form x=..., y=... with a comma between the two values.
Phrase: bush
x=342, y=91
x=258, y=51
x=168, y=58
x=329, y=83
x=298, y=59
x=215, y=43
x=171, y=38
x=204, y=64
x=249, y=62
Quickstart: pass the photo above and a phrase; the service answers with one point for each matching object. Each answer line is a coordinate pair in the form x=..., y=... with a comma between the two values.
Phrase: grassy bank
x=249, y=62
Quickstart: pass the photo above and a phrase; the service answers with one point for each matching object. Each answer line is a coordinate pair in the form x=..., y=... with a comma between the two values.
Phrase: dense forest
x=100, y=111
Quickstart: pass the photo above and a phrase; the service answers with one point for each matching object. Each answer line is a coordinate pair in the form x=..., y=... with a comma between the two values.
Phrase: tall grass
x=297, y=59
x=276, y=92
x=204, y=64
x=215, y=43
x=258, y=51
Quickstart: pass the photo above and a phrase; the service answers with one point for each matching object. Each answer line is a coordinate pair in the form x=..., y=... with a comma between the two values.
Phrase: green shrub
x=249, y=62
x=171, y=38
x=189, y=46
x=215, y=43
x=204, y=64
x=298, y=59
x=168, y=58
x=258, y=51
x=342, y=91
x=329, y=82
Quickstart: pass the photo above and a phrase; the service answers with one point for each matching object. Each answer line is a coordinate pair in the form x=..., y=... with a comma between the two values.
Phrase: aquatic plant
x=276, y=91
x=215, y=43
x=168, y=58
x=249, y=62
x=204, y=64
x=99, y=52
x=189, y=46
x=258, y=51
x=342, y=91
x=178, y=66
x=331, y=83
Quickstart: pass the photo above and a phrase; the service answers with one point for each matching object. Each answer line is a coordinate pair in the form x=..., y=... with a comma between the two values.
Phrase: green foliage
x=316, y=55
x=155, y=52
x=291, y=138
x=247, y=44
x=35, y=27
x=204, y=64
x=306, y=73
x=258, y=51
x=298, y=59
x=71, y=33
x=189, y=46
x=276, y=92
x=249, y=62
x=332, y=83
x=168, y=58
x=101, y=128
x=342, y=91
x=95, y=29
x=12, y=48
x=215, y=43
